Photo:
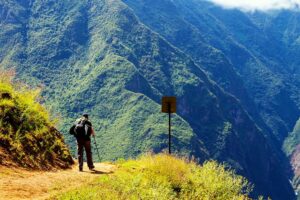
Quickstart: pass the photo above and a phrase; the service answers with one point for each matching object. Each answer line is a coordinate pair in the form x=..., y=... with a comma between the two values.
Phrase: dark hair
x=85, y=115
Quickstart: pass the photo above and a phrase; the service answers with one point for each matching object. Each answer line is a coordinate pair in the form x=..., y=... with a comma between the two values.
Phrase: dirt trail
x=23, y=184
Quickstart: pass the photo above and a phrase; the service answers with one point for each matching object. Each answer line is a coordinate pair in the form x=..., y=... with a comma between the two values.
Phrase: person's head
x=85, y=115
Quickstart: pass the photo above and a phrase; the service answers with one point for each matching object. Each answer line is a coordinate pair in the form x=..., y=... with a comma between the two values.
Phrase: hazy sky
x=263, y=5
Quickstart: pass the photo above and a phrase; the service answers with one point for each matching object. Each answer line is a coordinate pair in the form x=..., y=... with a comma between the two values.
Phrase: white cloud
x=262, y=5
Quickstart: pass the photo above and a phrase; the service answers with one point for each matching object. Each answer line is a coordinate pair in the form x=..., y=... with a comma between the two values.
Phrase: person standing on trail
x=82, y=130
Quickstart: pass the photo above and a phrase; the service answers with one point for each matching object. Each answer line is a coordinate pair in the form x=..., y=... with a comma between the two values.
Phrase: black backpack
x=80, y=128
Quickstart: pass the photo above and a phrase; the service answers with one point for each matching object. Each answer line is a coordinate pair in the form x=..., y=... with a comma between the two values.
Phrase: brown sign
x=168, y=104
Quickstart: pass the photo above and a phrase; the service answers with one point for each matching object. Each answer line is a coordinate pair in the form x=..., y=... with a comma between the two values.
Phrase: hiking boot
x=92, y=168
x=80, y=169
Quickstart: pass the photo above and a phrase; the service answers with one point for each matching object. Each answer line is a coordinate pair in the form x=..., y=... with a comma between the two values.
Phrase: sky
x=261, y=5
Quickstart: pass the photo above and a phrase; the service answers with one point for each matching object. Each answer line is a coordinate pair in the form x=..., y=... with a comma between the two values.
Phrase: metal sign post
x=169, y=106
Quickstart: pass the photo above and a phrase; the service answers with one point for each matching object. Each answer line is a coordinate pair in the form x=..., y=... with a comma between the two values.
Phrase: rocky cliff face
x=295, y=160
x=116, y=60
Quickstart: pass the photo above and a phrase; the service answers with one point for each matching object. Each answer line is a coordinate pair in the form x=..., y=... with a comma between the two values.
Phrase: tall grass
x=26, y=131
x=165, y=177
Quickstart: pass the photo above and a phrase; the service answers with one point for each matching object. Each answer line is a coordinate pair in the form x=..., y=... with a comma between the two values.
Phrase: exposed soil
x=16, y=183
x=295, y=162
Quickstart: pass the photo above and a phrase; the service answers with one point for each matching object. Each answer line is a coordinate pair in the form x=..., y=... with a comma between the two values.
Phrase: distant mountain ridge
x=115, y=60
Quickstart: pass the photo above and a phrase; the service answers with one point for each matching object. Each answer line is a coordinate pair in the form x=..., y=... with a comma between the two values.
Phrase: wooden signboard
x=168, y=104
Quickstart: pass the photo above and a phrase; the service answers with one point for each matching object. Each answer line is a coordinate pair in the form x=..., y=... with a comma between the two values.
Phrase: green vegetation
x=115, y=60
x=26, y=132
x=253, y=58
x=164, y=177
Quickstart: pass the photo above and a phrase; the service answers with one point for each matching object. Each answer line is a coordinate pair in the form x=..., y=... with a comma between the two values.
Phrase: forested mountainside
x=254, y=56
x=237, y=94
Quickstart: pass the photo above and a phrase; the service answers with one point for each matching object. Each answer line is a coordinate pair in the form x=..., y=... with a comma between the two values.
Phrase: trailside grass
x=164, y=177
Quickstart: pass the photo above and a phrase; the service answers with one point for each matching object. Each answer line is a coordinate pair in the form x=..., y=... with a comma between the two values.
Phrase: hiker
x=82, y=130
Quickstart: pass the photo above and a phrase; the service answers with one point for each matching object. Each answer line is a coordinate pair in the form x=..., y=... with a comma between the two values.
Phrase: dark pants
x=81, y=145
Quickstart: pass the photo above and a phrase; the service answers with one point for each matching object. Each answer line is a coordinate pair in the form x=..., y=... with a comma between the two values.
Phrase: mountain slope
x=240, y=55
x=252, y=56
x=97, y=57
